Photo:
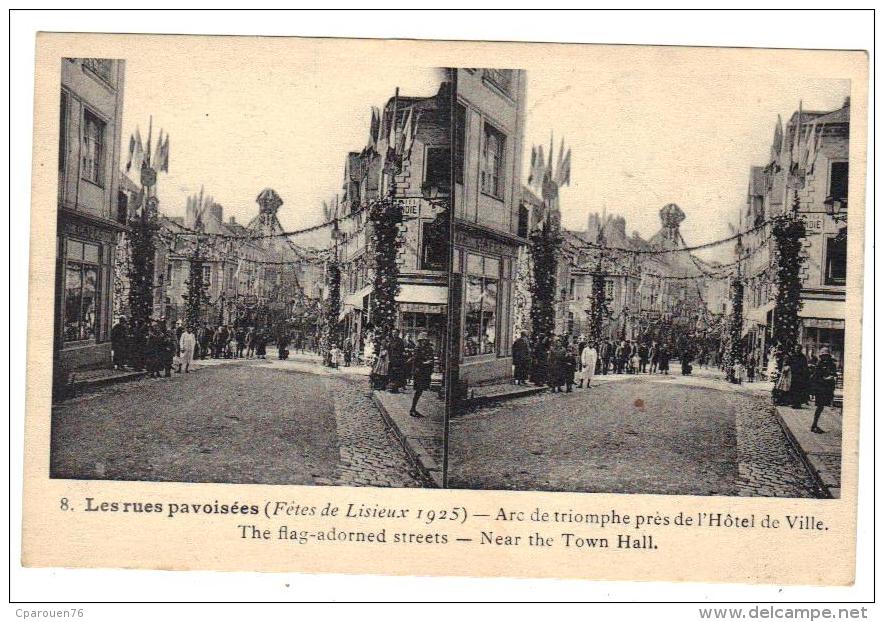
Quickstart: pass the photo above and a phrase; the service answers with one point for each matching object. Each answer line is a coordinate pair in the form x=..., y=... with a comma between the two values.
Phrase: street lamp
x=836, y=208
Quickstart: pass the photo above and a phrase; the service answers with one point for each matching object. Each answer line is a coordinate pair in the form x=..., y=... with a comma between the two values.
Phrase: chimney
x=846, y=101
x=233, y=220
x=216, y=211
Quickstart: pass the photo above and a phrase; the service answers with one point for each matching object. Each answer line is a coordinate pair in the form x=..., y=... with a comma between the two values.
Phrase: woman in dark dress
x=797, y=363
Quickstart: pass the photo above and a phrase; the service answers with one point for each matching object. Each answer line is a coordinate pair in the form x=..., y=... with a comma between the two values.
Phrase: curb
x=429, y=471
x=802, y=455
x=485, y=400
x=84, y=385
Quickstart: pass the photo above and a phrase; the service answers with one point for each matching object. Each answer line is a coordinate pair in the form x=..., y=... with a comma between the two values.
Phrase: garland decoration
x=197, y=289
x=385, y=217
x=789, y=233
x=544, y=252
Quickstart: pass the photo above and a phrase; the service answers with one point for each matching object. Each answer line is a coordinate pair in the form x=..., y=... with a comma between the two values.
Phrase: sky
x=642, y=138
x=237, y=129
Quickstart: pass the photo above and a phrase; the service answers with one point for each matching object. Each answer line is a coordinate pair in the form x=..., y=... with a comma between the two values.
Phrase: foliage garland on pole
x=598, y=311
x=544, y=259
x=142, y=247
x=734, y=352
x=789, y=233
x=197, y=289
x=385, y=216
x=522, y=293
x=332, y=308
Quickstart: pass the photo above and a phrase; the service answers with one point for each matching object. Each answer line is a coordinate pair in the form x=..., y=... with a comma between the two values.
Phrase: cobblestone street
x=235, y=422
x=630, y=434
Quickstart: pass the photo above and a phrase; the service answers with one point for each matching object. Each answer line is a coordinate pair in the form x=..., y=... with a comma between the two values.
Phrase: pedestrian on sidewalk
x=186, y=346
x=250, y=342
x=120, y=343
x=167, y=349
x=540, y=366
x=643, y=357
x=423, y=360
x=381, y=370
x=798, y=366
x=751, y=364
x=588, y=359
x=521, y=358
x=396, y=357
x=824, y=378
x=570, y=365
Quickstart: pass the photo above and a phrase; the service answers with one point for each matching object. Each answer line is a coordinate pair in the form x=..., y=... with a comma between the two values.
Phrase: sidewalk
x=92, y=378
x=421, y=437
x=821, y=453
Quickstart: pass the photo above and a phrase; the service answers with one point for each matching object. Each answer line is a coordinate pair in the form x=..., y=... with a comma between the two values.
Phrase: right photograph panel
x=648, y=282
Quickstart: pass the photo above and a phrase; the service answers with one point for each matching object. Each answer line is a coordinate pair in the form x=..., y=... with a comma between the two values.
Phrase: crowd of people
x=798, y=379
x=399, y=359
x=561, y=362
x=158, y=349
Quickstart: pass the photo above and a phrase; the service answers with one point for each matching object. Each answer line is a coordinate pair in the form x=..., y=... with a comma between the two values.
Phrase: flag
x=563, y=177
x=162, y=157
x=374, y=129
x=777, y=146
x=408, y=132
x=136, y=152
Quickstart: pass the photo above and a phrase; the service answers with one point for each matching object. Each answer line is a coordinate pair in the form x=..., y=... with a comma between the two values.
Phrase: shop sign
x=417, y=307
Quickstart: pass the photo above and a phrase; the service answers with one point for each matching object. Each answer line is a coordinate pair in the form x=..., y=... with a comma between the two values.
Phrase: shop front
x=485, y=264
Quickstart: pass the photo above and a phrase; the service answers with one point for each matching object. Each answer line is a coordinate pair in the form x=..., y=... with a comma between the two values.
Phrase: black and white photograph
x=652, y=289
x=252, y=272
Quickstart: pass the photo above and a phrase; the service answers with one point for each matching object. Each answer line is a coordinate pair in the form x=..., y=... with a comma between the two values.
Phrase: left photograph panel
x=251, y=276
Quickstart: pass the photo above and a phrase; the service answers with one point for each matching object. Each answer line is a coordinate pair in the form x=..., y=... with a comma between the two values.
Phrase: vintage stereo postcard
x=445, y=308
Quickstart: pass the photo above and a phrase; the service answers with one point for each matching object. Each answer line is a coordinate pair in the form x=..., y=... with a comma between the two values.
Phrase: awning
x=823, y=309
x=424, y=294
x=759, y=314
x=354, y=300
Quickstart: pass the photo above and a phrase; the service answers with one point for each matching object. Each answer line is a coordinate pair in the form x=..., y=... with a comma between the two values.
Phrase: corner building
x=489, y=121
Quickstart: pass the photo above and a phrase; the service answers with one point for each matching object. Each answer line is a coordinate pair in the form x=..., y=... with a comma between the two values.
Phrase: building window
x=437, y=169
x=571, y=287
x=64, y=105
x=501, y=78
x=82, y=273
x=480, y=322
x=492, y=162
x=207, y=275
x=93, y=147
x=434, y=244
x=460, y=129
x=836, y=260
x=102, y=67
x=609, y=290
x=838, y=180
x=570, y=322
x=522, y=229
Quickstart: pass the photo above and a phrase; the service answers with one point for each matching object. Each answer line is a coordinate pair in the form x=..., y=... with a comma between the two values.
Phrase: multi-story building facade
x=489, y=122
x=821, y=187
x=253, y=275
x=422, y=186
x=661, y=296
x=89, y=222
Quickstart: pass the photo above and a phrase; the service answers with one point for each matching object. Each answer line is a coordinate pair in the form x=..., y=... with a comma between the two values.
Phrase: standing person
x=554, y=362
x=588, y=359
x=240, y=341
x=368, y=350
x=539, y=361
x=620, y=356
x=422, y=362
x=152, y=351
x=643, y=357
x=798, y=366
x=138, y=345
x=605, y=354
x=186, y=347
x=653, y=357
x=521, y=358
x=825, y=376
x=120, y=343
x=636, y=359
x=205, y=339
x=179, y=330
x=569, y=365
x=664, y=359
x=250, y=342
x=260, y=344
x=380, y=371
x=750, y=369
x=167, y=350
x=686, y=358
x=396, y=354
x=348, y=351
x=772, y=364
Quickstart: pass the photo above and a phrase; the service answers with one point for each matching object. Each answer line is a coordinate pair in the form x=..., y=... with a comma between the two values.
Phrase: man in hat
x=422, y=362
x=825, y=375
